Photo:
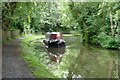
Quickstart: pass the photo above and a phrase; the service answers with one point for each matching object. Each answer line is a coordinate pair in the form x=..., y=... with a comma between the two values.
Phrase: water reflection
x=88, y=61
x=56, y=54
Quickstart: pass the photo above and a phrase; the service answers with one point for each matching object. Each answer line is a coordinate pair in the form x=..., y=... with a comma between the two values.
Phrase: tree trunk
x=111, y=23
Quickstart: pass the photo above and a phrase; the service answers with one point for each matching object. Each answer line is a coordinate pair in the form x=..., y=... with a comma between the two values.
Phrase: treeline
x=97, y=22
x=36, y=17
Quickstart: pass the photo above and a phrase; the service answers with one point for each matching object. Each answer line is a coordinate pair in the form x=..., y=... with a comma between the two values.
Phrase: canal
x=80, y=60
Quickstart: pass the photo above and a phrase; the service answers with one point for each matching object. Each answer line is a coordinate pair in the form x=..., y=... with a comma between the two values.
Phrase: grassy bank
x=32, y=56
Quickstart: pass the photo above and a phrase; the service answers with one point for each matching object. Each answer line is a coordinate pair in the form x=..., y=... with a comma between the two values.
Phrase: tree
x=94, y=23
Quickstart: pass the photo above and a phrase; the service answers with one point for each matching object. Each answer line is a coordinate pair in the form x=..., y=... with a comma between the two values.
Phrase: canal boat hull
x=55, y=44
x=54, y=39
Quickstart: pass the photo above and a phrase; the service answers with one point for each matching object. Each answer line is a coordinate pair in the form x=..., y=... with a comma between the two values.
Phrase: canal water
x=81, y=60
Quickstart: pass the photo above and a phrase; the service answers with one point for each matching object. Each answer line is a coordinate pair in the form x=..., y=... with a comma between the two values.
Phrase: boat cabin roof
x=53, y=32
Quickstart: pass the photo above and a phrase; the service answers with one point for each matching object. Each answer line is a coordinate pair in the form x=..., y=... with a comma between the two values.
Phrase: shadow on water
x=79, y=60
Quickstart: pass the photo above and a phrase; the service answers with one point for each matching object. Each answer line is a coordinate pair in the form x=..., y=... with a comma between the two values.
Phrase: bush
x=107, y=41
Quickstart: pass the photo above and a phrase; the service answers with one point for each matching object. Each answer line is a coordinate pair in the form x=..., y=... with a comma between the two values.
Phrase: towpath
x=13, y=66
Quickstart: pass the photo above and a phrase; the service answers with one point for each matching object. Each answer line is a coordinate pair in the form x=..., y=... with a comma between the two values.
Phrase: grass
x=31, y=56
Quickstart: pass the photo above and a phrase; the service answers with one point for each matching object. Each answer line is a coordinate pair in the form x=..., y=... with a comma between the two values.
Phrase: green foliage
x=35, y=16
x=107, y=41
x=97, y=22
x=89, y=19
